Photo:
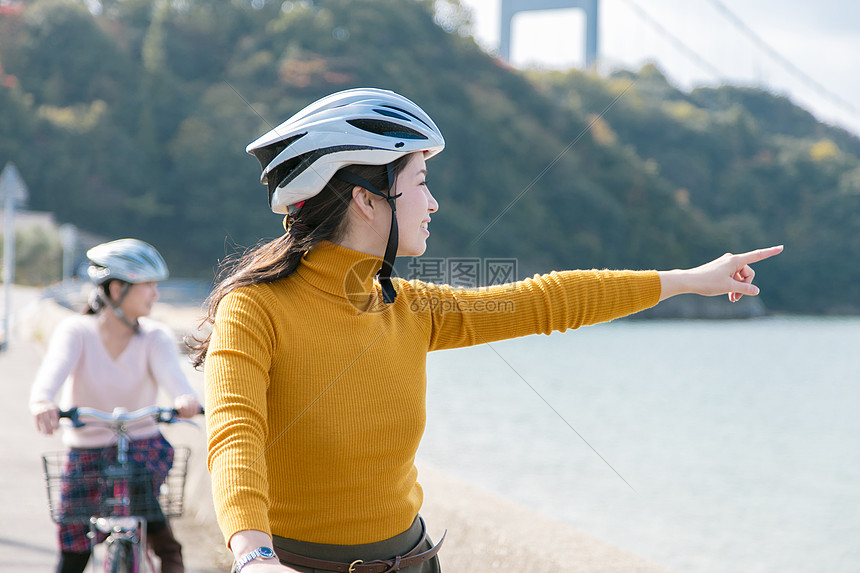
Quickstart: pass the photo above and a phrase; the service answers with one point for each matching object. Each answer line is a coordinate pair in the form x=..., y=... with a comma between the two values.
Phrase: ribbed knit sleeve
x=237, y=377
x=541, y=305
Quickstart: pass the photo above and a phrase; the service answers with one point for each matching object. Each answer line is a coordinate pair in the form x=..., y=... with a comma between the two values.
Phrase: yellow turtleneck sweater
x=315, y=389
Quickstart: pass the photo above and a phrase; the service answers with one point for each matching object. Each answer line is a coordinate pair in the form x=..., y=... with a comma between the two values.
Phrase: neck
x=368, y=235
x=111, y=324
x=369, y=243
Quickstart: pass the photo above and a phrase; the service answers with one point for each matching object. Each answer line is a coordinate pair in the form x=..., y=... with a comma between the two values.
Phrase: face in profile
x=140, y=299
x=414, y=207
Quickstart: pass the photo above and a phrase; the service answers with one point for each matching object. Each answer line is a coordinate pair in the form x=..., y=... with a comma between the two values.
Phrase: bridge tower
x=511, y=7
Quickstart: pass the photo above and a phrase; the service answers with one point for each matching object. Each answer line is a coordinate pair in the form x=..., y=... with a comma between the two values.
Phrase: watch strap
x=260, y=552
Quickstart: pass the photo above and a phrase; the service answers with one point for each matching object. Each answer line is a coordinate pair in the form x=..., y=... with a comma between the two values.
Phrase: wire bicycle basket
x=80, y=489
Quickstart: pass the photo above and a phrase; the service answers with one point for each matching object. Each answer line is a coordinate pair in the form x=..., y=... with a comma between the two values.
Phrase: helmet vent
x=397, y=112
x=392, y=113
x=280, y=174
x=386, y=128
x=265, y=155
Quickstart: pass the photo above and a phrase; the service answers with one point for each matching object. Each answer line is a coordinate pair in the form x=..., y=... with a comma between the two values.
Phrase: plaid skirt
x=153, y=455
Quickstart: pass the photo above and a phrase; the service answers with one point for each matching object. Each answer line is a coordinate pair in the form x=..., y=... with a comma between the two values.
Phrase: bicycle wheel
x=120, y=557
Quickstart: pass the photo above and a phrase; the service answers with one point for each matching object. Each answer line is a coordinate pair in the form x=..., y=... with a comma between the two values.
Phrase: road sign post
x=13, y=192
x=69, y=241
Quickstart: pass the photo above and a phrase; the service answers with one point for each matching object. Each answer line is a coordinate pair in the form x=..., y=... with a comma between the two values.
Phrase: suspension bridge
x=693, y=42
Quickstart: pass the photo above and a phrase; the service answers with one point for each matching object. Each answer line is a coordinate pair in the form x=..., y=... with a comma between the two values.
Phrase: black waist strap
x=414, y=557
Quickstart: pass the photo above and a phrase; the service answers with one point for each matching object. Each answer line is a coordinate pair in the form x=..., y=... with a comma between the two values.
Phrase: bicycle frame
x=124, y=533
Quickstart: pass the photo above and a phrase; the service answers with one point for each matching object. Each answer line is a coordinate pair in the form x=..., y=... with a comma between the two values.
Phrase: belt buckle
x=353, y=564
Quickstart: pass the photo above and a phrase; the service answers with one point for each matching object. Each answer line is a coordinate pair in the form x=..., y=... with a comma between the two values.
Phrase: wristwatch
x=264, y=552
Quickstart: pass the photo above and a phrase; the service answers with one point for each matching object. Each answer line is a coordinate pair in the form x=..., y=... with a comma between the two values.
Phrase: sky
x=808, y=51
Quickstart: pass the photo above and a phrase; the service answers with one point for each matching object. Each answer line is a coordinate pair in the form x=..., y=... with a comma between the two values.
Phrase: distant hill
x=133, y=122
x=762, y=170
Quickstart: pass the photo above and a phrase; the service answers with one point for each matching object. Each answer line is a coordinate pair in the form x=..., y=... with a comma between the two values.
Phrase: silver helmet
x=129, y=260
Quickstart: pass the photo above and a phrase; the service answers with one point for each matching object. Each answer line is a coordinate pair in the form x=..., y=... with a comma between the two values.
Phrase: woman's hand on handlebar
x=187, y=406
x=47, y=417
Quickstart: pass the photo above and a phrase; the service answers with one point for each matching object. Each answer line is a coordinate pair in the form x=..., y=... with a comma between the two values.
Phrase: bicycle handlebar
x=160, y=415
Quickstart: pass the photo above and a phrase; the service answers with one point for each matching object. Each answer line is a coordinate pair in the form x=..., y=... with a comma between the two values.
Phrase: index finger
x=759, y=254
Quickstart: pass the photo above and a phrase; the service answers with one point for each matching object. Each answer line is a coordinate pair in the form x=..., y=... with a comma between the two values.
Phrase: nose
x=432, y=204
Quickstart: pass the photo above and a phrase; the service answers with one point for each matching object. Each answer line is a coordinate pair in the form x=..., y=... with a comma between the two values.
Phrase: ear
x=365, y=203
x=108, y=290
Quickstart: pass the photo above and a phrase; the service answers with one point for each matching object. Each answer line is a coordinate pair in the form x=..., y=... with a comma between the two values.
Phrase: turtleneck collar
x=340, y=271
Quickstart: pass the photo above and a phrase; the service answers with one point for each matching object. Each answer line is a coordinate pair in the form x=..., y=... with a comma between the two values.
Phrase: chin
x=412, y=250
x=417, y=252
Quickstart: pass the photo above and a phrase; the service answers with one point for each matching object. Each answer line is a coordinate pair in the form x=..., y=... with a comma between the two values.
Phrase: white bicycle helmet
x=129, y=260
x=362, y=126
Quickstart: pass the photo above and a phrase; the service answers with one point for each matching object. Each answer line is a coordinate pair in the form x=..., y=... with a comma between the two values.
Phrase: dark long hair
x=321, y=218
x=98, y=296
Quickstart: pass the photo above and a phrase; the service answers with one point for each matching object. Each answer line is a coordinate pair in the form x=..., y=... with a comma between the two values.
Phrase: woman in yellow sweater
x=315, y=367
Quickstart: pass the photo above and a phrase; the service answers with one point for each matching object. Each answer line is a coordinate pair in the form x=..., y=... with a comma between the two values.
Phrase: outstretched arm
x=729, y=274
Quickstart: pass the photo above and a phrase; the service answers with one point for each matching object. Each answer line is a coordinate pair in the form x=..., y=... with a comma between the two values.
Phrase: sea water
x=703, y=446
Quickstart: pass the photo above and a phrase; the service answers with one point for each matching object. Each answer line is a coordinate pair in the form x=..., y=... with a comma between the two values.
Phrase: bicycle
x=116, y=495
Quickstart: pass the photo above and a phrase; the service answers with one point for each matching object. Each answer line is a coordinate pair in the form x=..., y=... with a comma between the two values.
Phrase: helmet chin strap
x=115, y=306
x=384, y=274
